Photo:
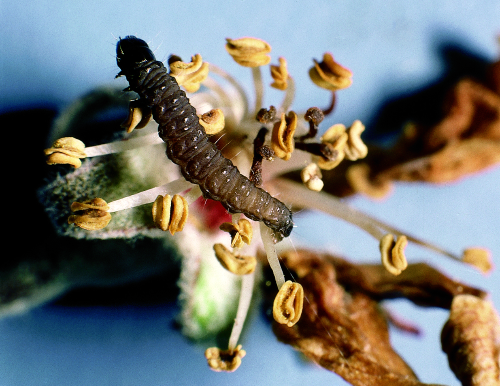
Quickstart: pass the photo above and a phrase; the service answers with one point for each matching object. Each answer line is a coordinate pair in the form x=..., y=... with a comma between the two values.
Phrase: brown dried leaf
x=471, y=338
x=344, y=330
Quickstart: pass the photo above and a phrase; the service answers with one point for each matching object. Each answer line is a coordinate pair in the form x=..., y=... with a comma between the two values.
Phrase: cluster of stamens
x=171, y=201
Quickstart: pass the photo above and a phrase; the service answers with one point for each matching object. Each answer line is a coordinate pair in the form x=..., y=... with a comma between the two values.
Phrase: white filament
x=149, y=195
x=247, y=282
x=119, y=146
x=267, y=238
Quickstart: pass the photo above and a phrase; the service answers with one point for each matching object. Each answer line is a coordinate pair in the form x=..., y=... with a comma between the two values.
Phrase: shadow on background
x=425, y=104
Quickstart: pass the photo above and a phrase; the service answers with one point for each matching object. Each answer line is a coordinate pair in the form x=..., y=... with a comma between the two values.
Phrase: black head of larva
x=132, y=51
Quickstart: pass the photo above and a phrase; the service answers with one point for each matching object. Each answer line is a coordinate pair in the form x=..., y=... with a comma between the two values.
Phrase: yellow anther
x=355, y=148
x=138, y=117
x=280, y=75
x=287, y=306
x=330, y=75
x=311, y=177
x=67, y=150
x=336, y=137
x=170, y=213
x=282, y=141
x=249, y=52
x=479, y=258
x=241, y=233
x=239, y=265
x=358, y=176
x=213, y=121
x=393, y=257
x=92, y=214
x=224, y=360
x=190, y=75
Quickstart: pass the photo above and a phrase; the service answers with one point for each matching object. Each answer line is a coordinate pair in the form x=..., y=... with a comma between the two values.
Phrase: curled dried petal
x=337, y=137
x=224, y=360
x=190, y=75
x=280, y=75
x=288, y=303
x=170, y=213
x=239, y=265
x=393, y=257
x=330, y=75
x=213, y=121
x=91, y=214
x=138, y=117
x=358, y=176
x=311, y=177
x=66, y=150
x=241, y=233
x=249, y=52
x=355, y=148
x=471, y=339
x=479, y=258
x=282, y=141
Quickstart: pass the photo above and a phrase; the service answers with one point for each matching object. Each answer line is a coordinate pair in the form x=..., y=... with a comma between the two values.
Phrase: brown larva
x=188, y=145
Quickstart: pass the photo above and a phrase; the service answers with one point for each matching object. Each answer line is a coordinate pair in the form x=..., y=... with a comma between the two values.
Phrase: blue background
x=54, y=51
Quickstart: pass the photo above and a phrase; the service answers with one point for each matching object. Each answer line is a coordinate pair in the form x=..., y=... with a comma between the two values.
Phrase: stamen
x=124, y=145
x=237, y=264
x=246, y=292
x=67, y=150
x=479, y=258
x=90, y=215
x=299, y=196
x=314, y=116
x=289, y=96
x=260, y=151
x=259, y=88
x=330, y=75
x=149, y=195
x=282, y=141
x=241, y=232
x=189, y=75
x=212, y=121
x=139, y=116
x=224, y=360
x=170, y=213
x=393, y=257
x=267, y=238
x=288, y=304
x=311, y=177
x=223, y=74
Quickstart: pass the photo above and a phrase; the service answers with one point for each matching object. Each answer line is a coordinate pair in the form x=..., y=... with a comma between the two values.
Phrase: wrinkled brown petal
x=345, y=333
x=471, y=338
x=344, y=330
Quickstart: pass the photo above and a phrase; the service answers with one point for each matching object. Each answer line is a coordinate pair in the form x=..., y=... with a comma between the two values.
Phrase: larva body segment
x=187, y=143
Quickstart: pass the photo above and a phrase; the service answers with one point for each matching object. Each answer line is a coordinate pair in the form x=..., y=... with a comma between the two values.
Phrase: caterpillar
x=188, y=146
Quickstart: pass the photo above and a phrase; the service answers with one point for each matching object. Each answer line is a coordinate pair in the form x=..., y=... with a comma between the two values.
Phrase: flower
x=217, y=282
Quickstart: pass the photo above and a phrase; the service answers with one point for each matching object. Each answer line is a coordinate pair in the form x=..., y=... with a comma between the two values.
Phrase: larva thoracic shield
x=188, y=145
